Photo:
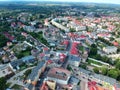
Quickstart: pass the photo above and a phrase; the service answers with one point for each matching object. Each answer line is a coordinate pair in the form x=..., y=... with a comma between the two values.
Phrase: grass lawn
x=26, y=53
x=94, y=62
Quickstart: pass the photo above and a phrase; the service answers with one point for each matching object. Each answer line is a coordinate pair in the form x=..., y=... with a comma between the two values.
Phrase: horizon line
x=58, y=1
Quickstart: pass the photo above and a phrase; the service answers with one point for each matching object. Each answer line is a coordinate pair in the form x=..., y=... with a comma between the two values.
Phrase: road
x=83, y=85
x=65, y=64
x=17, y=81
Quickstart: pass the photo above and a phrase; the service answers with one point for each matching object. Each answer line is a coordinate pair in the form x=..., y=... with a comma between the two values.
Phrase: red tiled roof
x=103, y=34
x=44, y=86
x=93, y=86
x=45, y=49
x=65, y=42
x=115, y=43
x=82, y=36
x=9, y=36
x=72, y=35
x=49, y=61
x=74, y=49
x=42, y=54
x=62, y=55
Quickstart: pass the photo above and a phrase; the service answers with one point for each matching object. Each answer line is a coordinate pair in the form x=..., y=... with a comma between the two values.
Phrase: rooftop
x=74, y=50
x=74, y=58
x=35, y=71
x=59, y=73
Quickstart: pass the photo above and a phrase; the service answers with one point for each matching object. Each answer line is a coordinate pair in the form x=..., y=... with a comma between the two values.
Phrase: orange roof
x=115, y=43
x=65, y=42
x=44, y=86
x=74, y=49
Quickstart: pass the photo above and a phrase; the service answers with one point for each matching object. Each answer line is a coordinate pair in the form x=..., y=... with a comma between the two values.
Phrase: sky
x=96, y=1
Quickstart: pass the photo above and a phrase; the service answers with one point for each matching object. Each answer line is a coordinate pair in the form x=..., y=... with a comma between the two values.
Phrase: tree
x=117, y=65
x=104, y=70
x=114, y=73
x=93, y=49
x=105, y=59
x=3, y=85
x=27, y=73
x=96, y=70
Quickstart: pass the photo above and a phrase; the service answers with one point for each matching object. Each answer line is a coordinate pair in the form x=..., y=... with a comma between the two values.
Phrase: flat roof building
x=59, y=75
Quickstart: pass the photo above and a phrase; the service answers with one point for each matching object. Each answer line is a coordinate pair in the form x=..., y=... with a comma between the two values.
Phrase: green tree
x=104, y=70
x=114, y=73
x=3, y=85
x=96, y=70
x=117, y=65
x=93, y=49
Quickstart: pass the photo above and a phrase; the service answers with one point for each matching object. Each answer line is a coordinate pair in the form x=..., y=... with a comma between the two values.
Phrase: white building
x=79, y=28
x=6, y=70
x=59, y=25
x=110, y=49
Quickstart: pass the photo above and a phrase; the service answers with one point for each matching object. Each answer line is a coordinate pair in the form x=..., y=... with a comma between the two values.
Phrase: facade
x=89, y=41
x=59, y=25
x=27, y=60
x=74, y=60
x=110, y=49
x=48, y=85
x=6, y=70
x=59, y=75
x=34, y=76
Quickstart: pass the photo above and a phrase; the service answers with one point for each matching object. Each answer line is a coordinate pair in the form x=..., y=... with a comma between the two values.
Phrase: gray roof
x=105, y=78
x=74, y=58
x=85, y=71
x=27, y=59
x=35, y=70
x=16, y=63
x=118, y=85
x=29, y=86
x=110, y=80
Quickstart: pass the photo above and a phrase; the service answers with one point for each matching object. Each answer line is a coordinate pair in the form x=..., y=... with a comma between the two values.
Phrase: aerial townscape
x=50, y=45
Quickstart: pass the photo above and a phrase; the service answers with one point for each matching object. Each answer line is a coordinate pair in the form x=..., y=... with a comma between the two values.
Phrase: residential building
x=89, y=41
x=48, y=85
x=6, y=70
x=110, y=49
x=27, y=60
x=34, y=76
x=74, y=60
x=59, y=75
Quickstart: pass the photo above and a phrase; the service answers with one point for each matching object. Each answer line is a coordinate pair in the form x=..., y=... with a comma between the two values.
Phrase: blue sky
x=97, y=1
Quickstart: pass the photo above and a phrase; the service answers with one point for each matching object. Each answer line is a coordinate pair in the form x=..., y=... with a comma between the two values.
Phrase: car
x=100, y=84
x=77, y=74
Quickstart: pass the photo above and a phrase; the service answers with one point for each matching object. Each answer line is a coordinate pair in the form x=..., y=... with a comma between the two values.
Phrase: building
x=34, y=76
x=74, y=60
x=92, y=85
x=101, y=79
x=59, y=25
x=48, y=85
x=74, y=50
x=59, y=75
x=110, y=49
x=89, y=41
x=79, y=28
x=6, y=70
x=27, y=60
